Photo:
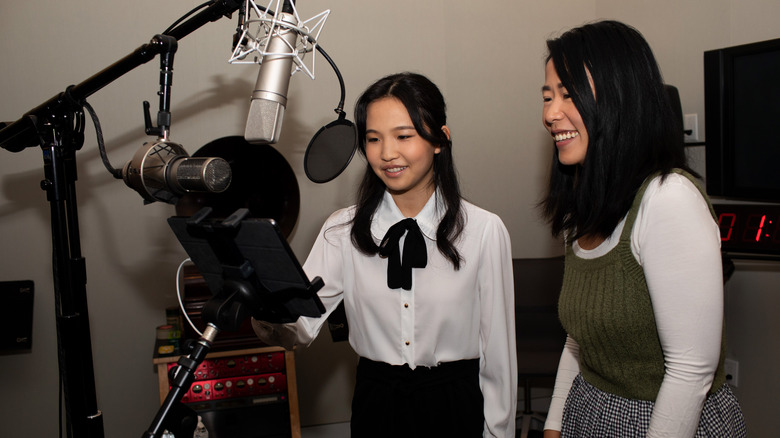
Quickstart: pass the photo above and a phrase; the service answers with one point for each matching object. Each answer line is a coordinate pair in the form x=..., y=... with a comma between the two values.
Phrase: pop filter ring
x=330, y=146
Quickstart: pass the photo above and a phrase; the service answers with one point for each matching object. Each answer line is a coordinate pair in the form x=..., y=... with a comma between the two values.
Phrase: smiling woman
x=642, y=294
x=425, y=278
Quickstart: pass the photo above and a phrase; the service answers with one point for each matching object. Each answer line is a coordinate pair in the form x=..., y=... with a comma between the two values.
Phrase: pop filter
x=330, y=150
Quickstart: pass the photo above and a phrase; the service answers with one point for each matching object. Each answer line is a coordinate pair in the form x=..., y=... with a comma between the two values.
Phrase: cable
x=117, y=173
x=78, y=109
x=184, y=17
x=178, y=296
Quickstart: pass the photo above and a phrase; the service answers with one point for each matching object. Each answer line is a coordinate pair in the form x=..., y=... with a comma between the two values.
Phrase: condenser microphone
x=269, y=99
x=163, y=171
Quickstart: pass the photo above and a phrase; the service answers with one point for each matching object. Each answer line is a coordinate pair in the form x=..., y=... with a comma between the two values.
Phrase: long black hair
x=633, y=131
x=427, y=109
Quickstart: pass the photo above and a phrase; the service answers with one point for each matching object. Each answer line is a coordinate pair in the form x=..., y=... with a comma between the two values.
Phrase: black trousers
x=396, y=401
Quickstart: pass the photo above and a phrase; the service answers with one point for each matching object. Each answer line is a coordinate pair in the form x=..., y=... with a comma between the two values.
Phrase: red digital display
x=753, y=228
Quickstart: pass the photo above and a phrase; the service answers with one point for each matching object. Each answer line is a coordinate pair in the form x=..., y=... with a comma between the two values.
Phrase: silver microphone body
x=163, y=171
x=199, y=174
x=269, y=99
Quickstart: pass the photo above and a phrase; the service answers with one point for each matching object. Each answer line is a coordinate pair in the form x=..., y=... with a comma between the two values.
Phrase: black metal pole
x=173, y=415
x=59, y=144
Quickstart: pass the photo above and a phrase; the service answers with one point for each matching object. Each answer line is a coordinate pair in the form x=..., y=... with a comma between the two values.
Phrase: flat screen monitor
x=742, y=111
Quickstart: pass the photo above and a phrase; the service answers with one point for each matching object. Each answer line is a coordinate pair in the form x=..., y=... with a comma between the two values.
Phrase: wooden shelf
x=289, y=364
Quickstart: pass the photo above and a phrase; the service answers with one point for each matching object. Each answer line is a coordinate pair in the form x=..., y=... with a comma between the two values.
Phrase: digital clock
x=749, y=228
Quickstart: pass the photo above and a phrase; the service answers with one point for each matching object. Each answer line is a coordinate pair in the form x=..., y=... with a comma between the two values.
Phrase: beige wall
x=488, y=62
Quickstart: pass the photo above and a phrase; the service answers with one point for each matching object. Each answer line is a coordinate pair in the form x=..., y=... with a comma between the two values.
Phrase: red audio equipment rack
x=262, y=375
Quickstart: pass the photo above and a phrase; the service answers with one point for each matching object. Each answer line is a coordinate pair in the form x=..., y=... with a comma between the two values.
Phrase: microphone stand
x=57, y=125
x=241, y=292
x=173, y=415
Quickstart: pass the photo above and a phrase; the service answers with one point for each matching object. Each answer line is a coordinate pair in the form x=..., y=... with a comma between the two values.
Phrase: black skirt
x=396, y=401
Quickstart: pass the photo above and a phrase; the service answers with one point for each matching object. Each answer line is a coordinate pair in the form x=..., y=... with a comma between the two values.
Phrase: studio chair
x=540, y=337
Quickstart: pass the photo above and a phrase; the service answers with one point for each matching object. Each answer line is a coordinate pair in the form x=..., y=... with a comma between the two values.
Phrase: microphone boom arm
x=23, y=133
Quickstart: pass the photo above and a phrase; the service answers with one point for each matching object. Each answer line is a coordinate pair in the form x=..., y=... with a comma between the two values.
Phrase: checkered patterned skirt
x=590, y=412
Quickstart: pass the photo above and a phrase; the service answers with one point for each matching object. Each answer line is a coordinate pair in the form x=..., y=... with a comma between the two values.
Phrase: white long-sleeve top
x=447, y=315
x=677, y=243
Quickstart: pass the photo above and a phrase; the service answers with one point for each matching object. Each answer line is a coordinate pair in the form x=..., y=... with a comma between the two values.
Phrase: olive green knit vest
x=605, y=306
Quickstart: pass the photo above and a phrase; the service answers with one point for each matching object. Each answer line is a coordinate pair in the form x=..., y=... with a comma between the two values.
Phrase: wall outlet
x=731, y=367
x=691, y=127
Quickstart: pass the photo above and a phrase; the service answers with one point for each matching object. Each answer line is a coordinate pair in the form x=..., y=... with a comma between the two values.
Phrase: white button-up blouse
x=447, y=315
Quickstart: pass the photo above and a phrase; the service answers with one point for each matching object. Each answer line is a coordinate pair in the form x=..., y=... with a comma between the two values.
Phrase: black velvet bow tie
x=415, y=254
